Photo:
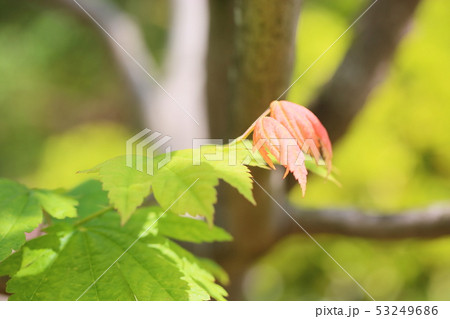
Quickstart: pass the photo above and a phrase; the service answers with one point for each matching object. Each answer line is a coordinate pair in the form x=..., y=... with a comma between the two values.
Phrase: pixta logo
x=150, y=142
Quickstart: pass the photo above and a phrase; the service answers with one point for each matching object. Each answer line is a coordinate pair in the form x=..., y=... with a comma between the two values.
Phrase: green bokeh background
x=64, y=108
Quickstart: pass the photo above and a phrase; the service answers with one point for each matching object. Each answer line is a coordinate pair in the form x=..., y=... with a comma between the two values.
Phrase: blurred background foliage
x=65, y=108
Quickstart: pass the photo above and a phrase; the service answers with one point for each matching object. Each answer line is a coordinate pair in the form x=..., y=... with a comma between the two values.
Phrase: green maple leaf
x=90, y=196
x=20, y=212
x=180, y=227
x=142, y=273
x=320, y=169
x=237, y=176
x=214, y=269
x=57, y=205
x=64, y=263
x=11, y=265
x=154, y=268
x=127, y=187
x=198, y=278
x=185, y=184
x=184, y=188
x=229, y=163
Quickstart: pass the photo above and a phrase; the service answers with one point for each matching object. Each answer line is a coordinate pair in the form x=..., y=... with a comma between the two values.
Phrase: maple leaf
x=271, y=136
x=311, y=135
x=288, y=134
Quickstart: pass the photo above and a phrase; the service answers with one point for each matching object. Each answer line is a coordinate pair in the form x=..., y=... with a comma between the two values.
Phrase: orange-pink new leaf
x=259, y=145
x=304, y=126
x=270, y=135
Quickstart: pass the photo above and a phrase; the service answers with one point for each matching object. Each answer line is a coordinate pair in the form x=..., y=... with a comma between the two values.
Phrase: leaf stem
x=93, y=216
x=250, y=129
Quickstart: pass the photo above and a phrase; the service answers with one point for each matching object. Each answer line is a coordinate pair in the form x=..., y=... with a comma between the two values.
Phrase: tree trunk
x=253, y=67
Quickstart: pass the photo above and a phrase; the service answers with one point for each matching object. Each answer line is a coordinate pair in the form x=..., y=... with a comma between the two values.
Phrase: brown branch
x=429, y=222
x=365, y=65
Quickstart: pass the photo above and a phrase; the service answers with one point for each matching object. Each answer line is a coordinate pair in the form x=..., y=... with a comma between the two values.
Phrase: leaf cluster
x=118, y=237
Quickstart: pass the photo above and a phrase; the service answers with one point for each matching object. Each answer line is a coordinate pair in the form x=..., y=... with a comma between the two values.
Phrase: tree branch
x=123, y=33
x=429, y=222
x=365, y=65
x=163, y=106
x=184, y=76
